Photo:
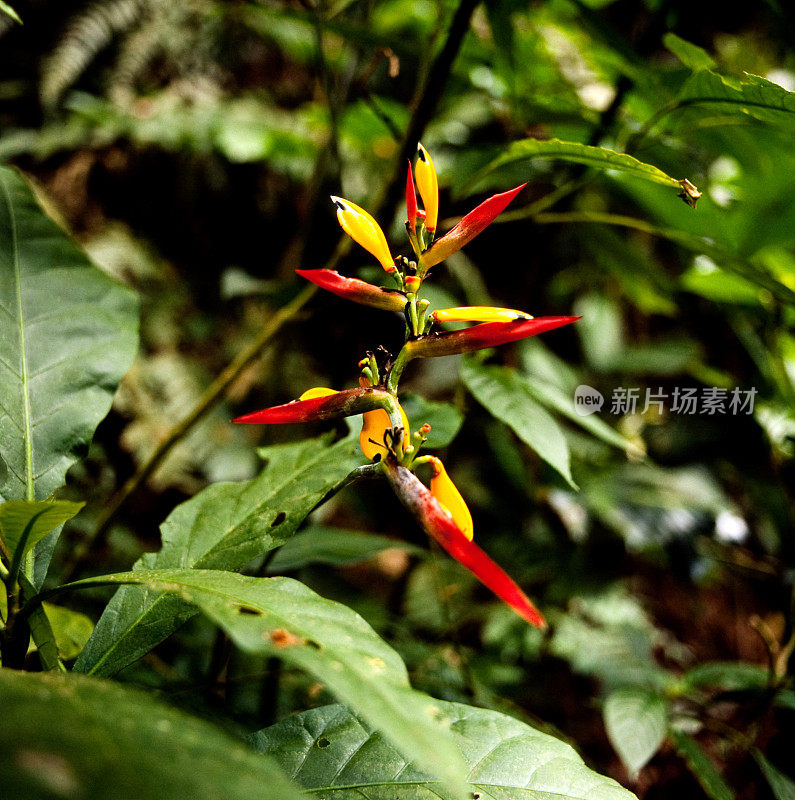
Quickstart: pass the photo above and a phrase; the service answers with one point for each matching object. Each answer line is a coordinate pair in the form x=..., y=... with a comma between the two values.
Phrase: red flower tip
x=340, y=404
x=487, y=334
x=470, y=226
x=438, y=523
x=411, y=201
x=353, y=289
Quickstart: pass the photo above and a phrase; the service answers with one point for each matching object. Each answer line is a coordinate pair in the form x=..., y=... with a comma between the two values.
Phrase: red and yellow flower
x=385, y=438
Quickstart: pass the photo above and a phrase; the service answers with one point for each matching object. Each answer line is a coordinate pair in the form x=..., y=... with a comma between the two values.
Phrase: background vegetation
x=191, y=148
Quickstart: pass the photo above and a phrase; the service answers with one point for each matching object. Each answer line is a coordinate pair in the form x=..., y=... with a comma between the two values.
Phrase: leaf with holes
x=282, y=617
x=636, y=721
x=68, y=736
x=223, y=527
x=335, y=755
x=68, y=333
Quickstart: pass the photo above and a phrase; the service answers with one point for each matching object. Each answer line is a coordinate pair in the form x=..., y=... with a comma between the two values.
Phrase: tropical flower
x=385, y=438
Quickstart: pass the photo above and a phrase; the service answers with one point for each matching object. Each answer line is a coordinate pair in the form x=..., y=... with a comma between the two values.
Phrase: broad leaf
x=750, y=96
x=337, y=756
x=320, y=545
x=68, y=736
x=505, y=394
x=24, y=523
x=68, y=333
x=636, y=721
x=702, y=768
x=596, y=157
x=224, y=527
x=282, y=617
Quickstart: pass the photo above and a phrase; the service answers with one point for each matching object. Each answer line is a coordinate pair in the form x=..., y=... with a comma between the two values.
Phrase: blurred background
x=191, y=148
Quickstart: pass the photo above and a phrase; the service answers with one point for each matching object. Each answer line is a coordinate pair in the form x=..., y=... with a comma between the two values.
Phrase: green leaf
x=40, y=629
x=68, y=736
x=24, y=523
x=282, y=617
x=700, y=765
x=224, y=527
x=691, y=55
x=636, y=721
x=335, y=546
x=10, y=11
x=751, y=96
x=71, y=629
x=445, y=419
x=337, y=756
x=505, y=394
x=727, y=675
x=68, y=333
x=782, y=785
x=596, y=157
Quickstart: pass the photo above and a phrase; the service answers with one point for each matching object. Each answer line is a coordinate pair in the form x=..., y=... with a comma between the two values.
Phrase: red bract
x=353, y=289
x=470, y=226
x=411, y=201
x=340, y=404
x=488, y=334
x=438, y=523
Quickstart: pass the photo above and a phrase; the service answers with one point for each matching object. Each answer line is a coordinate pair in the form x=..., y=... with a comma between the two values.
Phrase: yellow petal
x=364, y=230
x=374, y=426
x=445, y=491
x=479, y=314
x=318, y=391
x=428, y=184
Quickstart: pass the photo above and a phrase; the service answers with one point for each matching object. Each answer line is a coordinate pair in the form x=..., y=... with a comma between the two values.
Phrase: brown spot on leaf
x=281, y=637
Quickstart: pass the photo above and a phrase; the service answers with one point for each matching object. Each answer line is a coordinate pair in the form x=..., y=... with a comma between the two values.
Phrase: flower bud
x=445, y=491
x=479, y=314
x=364, y=230
x=428, y=184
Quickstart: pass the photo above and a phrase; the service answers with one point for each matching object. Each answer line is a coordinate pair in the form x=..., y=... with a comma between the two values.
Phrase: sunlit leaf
x=636, y=721
x=223, y=527
x=329, y=751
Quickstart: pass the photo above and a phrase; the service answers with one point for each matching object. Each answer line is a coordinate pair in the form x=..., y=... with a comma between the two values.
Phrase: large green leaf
x=750, y=96
x=24, y=523
x=596, y=157
x=636, y=721
x=68, y=736
x=225, y=526
x=68, y=333
x=505, y=394
x=335, y=755
x=282, y=617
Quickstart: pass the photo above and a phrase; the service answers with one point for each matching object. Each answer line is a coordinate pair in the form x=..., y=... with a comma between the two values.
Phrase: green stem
x=403, y=358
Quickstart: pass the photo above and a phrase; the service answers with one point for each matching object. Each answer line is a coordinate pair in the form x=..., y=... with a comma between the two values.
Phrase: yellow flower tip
x=374, y=425
x=318, y=391
x=479, y=314
x=445, y=491
x=364, y=230
x=428, y=184
x=413, y=283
